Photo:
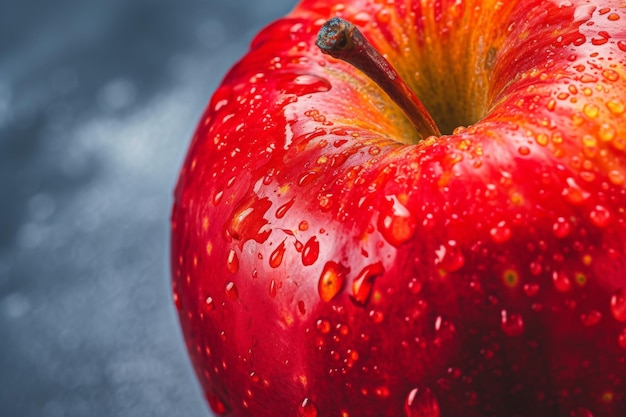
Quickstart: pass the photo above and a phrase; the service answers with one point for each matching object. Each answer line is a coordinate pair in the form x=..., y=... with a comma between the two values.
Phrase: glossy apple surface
x=330, y=261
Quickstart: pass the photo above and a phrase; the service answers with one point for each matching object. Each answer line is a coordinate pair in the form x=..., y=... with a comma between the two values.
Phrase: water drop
x=176, y=297
x=217, y=198
x=362, y=18
x=621, y=45
x=377, y=316
x=421, y=403
x=561, y=228
x=581, y=412
x=610, y=75
x=308, y=84
x=308, y=408
x=618, y=305
x=601, y=39
x=449, y=257
x=272, y=288
x=282, y=210
x=616, y=107
x=444, y=331
x=573, y=193
x=531, y=289
x=232, y=262
x=395, y=222
x=542, y=139
x=600, y=216
x=383, y=16
x=306, y=178
x=331, y=281
x=607, y=132
x=415, y=286
x=231, y=291
x=218, y=406
x=591, y=110
x=276, y=258
x=364, y=282
x=512, y=324
x=621, y=339
x=210, y=304
x=248, y=222
x=310, y=252
x=591, y=318
x=501, y=232
x=323, y=326
x=561, y=281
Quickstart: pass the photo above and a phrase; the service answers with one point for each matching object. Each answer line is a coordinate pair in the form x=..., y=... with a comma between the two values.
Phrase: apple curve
x=326, y=262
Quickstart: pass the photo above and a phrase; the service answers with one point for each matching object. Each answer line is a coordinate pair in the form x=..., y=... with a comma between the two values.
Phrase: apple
x=412, y=208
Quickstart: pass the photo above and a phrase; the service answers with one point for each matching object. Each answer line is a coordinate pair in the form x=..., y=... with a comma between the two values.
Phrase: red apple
x=334, y=255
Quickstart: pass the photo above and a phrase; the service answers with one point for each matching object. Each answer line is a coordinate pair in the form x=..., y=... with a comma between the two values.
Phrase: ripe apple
x=421, y=212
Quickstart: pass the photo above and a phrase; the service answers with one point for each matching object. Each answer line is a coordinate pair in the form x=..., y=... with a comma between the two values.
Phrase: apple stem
x=342, y=40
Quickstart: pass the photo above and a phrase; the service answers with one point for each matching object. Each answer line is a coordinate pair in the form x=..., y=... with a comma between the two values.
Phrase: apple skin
x=327, y=263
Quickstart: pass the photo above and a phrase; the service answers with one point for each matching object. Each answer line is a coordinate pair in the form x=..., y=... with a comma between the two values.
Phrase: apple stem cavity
x=343, y=40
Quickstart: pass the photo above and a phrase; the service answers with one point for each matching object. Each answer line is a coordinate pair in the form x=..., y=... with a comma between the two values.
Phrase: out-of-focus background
x=98, y=101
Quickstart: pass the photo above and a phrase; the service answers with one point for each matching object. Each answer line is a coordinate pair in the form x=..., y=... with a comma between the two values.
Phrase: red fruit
x=334, y=255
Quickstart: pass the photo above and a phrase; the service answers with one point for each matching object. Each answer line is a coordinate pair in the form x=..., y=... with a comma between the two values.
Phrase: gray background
x=98, y=101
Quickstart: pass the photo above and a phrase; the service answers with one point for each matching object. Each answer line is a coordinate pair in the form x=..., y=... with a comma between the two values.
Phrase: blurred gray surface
x=98, y=101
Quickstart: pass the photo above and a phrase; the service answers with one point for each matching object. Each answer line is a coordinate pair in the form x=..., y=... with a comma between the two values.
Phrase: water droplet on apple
x=512, y=323
x=531, y=289
x=591, y=318
x=573, y=193
x=449, y=257
x=310, y=252
x=581, y=412
x=415, y=286
x=282, y=210
x=561, y=228
x=210, y=304
x=395, y=222
x=308, y=408
x=276, y=258
x=217, y=197
x=218, y=406
x=272, y=290
x=607, y=132
x=376, y=316
x=421, y=402
x=561, y=281
x=621, y=339
x=232, y=262
x=501, y=232
x=331, y=281
x=618, y=305
x=362, y=18
x=363, y=284
x=616, y=107
x=248, y=222
x=383, y=16
x=323, y=326
x=231, y=291
x=610, y=75
x=621, y=45
x=306, y=178
x=600, y=216
x=308, y=84
x=176, y=297
x=444, y=331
